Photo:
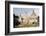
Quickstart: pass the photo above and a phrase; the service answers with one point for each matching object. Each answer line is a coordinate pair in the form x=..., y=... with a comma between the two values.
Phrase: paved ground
x=28, y=25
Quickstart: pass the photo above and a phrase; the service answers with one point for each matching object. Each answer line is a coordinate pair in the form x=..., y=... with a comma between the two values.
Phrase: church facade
x=32, y=19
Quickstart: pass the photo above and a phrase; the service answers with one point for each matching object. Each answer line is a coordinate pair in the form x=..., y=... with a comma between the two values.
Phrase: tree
x=38, y=19
x=16, y=22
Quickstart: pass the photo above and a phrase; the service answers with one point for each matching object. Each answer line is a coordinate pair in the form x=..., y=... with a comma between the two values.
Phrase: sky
x=25, y=11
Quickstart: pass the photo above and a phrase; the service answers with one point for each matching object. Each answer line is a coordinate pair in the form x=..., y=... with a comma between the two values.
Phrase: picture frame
x=9, y=5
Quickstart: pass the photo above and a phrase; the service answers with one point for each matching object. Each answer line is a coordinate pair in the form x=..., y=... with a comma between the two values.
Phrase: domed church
x=32, y=19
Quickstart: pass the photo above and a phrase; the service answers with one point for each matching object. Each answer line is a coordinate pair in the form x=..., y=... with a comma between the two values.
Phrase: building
x=32, y=19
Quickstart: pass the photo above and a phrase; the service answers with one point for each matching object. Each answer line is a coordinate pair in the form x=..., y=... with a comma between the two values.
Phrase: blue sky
x=18, y=11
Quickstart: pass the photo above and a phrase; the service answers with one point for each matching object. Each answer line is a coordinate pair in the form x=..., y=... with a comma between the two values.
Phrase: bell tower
x=33, y=13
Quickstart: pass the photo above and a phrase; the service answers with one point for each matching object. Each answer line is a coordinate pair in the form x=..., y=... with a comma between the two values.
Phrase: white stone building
x=29, y=19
